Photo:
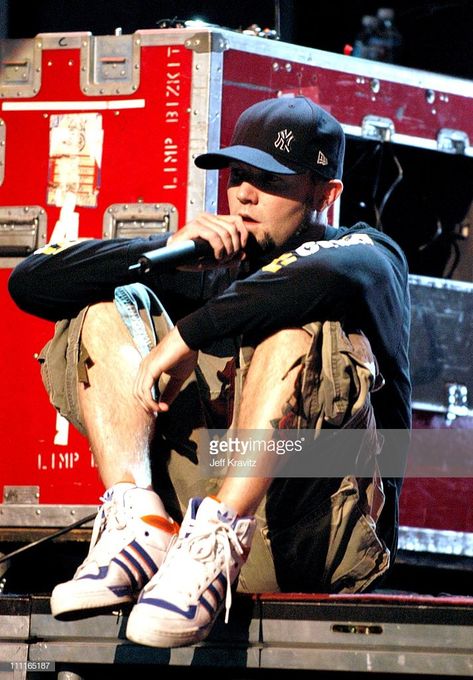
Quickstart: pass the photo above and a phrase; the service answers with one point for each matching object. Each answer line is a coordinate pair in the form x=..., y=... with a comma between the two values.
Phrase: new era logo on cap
x=284, y=135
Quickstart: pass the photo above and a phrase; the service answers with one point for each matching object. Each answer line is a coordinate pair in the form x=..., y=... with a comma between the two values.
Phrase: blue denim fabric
x=129, y=300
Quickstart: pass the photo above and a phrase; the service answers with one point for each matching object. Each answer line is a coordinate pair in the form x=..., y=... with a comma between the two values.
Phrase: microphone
x=174, y=255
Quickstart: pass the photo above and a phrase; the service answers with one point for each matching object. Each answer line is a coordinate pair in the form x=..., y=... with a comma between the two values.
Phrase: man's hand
x=226, y=234
x=171, y=358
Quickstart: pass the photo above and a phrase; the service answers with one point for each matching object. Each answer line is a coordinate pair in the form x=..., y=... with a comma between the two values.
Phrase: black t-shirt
x=357, y=275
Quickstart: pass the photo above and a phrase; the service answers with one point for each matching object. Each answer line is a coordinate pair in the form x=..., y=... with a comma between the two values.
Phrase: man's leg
x=181, y=603
x=132, y=530
x=118, y=428
x=269, y=387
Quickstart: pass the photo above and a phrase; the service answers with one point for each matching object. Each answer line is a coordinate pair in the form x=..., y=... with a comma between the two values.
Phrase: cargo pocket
x=63, y=363
x=349, y=374
x=52, y=361
x=299, y=551
x=356, y=556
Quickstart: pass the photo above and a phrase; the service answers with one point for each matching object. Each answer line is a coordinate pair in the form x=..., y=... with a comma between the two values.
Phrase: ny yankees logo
x=284, y=140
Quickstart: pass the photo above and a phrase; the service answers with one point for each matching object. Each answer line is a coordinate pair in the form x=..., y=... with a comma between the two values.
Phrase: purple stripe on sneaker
x=210, y=608
x=146, y=556
x=120, y=591
x=131, y=558
x=96, y=577
x=194, y=506
x=222, y=579
x=214, y=592
x=164, y=604
x=134, y=583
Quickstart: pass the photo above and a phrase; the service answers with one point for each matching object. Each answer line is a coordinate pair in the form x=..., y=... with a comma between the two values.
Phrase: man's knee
x=101, y=320
x=282, y=351
x=332, y=373
x=96, y=336
x=271, y=379
x=135, y=316
x=94, y=314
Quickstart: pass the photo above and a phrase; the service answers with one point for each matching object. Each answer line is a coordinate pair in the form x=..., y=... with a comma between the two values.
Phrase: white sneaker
x=182, y=601
x=130, y=537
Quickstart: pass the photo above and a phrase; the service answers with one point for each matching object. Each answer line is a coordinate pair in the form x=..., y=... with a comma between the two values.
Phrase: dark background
x=437, y=35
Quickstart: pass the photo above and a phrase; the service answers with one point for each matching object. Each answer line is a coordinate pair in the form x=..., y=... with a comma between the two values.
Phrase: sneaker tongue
x=117, y=490
x=120, y=488
x=215, y=511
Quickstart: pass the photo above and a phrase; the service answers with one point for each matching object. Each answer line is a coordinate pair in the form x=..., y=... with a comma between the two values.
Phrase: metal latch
x=139, y=220
x=110, y=64
x=20, y=68
x=375, y=127
x=452, y=141
x=21, y=494
x=22, y=231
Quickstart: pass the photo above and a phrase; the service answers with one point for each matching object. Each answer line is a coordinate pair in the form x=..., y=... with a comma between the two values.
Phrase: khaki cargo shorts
x=315, y=535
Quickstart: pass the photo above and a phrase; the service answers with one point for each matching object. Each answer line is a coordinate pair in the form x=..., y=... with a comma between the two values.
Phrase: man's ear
x=326, y=193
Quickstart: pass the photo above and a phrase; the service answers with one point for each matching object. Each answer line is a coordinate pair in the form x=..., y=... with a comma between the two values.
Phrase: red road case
x=97, y=138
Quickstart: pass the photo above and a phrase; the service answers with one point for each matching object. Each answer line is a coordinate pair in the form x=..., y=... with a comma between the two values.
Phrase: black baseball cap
x=288, y=135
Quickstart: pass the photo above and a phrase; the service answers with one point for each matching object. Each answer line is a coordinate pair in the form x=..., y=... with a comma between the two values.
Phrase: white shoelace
x=203, y=545
x=110, y=517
